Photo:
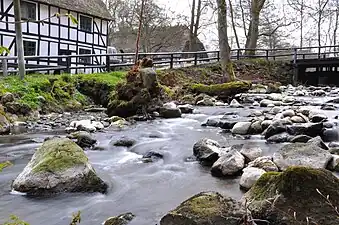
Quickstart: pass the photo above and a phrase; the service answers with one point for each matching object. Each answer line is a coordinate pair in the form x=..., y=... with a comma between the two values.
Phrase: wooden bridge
x=312, y=65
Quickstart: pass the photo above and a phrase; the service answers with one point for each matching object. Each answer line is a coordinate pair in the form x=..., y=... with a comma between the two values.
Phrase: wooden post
x=218, y=56
x=195, y=58
x=295, y=55
x=68, y=64
x=108, y=64
x=238, y=54
x=295, y=67
x=171, y=63
x=4, y=67
x=266, y=54
x=19, y=40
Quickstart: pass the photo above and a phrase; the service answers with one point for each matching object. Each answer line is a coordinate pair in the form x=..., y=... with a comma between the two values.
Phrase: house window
x=28, y=10
x=85, y=23
x=85, y=59
x=29, y=48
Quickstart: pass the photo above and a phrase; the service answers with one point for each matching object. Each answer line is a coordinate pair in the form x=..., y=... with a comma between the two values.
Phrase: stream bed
x=148, y=190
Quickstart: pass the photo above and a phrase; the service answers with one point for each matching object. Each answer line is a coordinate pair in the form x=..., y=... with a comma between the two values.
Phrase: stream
x=148, y=190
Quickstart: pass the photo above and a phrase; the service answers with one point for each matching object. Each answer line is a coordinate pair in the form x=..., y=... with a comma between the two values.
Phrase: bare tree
x=233, y=24
x=223, y=42
x=19, y=40
x=299, y=7
x=253, y=30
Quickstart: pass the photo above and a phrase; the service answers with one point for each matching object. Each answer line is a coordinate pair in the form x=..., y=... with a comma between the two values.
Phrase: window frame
x=24, y=9
x=35, y=47
x=81, y=28
x=86, y=60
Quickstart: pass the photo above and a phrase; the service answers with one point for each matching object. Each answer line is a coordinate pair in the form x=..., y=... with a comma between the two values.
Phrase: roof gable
x=95, y=8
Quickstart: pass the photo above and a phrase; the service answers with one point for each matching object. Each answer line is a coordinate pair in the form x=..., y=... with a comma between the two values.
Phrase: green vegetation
x=3, y=165
x=54, y=90
x=58, y=155
x=14, y=220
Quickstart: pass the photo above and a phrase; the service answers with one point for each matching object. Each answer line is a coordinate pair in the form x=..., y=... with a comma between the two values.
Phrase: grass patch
x=38, y=89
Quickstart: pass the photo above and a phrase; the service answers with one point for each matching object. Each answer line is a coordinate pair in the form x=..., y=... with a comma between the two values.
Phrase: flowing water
x=148, y=190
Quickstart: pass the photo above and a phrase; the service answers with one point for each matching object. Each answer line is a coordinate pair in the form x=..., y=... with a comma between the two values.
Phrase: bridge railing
x=93, y=63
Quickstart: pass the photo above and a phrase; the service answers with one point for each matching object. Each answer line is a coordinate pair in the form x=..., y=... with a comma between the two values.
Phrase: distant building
x=162, y=39
x=58, y=36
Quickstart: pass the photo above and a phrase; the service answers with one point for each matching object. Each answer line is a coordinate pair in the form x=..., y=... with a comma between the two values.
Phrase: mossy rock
x=224, y=91
x=59, y=165
x=276, y=197
x=206, y=208
x=122, y=219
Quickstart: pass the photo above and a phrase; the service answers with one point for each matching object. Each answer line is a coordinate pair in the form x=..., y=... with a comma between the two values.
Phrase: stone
x=241, y=128
x=87, y=125
x=125, y=142
x=235, y=104
x=256, y=127
x=205, y=208
x=151, y=156
x=250, y=176
x=276, y=127
x=205, y=102
x=170, y=110
x=122, y=219
x=318, y=142
x=18, y=108
x=301, y=139
x=330, y=135
x=318, y=93
x=256, y=104
x=288, y=113
x=59, y=165
x=149, y=77
x=83, y=139
x=265, y=163
x=317, y=118
x=309, y=129
x=297, y=119
x=211, y=123
x=301, y=154
x=266, y=123
x=279, y=138
x=207, y=151
x=7, y=97
x=328, y=107
x=328, y=125
x=229, y=164
x=299, y=93
x=333, y=165
x=187, y=109
x=5, y=125
x=218, y=103
x=251, y=152
x=274, y=195
x=226, y=124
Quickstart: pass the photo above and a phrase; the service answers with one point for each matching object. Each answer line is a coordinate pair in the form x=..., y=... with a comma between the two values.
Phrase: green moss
x=168, y=91
x=3, y=165
x=56, y=89
x=217, y=89
x=58, y=154
x=202, y=205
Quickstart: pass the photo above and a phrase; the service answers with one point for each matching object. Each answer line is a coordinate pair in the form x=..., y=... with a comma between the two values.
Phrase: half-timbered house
x=58, y=36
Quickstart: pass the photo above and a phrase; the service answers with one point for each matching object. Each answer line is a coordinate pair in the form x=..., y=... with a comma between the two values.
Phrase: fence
x=92, y=63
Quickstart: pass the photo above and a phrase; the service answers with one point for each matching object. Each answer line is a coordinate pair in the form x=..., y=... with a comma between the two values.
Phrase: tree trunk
x=243, y=18
x=253, y=33
x=19, y=40
x=301, y=23
x=196, y=27
x=223, y=42
x=336, y=28
x=139, y=31
x=233, y=24
x=191, y=38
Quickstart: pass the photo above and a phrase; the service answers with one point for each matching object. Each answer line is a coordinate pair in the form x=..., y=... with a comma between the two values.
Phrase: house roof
x=95, y=8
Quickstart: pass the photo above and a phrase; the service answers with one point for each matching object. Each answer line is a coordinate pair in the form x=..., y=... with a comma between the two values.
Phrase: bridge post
x=4, y=67
x=295, y=67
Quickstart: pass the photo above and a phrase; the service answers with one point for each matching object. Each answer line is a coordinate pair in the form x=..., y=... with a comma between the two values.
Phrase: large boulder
x=229, y=164
x=290, y=197
x=207, y=151
x=309, y=129
x=301, y=154
x=59, y=165
x=169, y=110
x=206, y=208
x=83, y=139
x=276, y=127
x=241, y=128
x=5, y=125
